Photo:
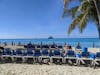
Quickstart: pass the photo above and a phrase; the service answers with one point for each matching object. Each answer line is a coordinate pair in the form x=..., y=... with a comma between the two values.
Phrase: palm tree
x=87, y=10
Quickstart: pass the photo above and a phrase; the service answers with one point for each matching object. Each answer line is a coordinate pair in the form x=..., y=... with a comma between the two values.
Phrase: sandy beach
x=33, y=69
x=28, y=69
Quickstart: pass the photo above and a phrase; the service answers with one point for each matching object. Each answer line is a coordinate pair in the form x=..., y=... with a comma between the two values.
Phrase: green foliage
x=86, y=11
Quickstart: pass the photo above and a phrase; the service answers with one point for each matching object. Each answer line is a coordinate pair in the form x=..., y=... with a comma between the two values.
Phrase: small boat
x=50, y=37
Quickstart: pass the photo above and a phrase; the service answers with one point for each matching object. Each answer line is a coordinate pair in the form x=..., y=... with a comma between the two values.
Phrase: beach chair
x=38, y=47
x=97, y=59
x=56, y=57
x=52, y=47
x=93, y=62
x=6, y=56
x=78, y=57
x=70, y=58
x=29, y=46
x=45, y=58
x=1, y=52
x=60, y=47
x=28, y=56
x=85, y=59
x=18, y=56
x=36, y=56
x=45, y=46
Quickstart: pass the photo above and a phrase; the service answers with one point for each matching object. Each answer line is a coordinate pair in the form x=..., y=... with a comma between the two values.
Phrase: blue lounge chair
x=97, y=59
x=56, y=53
x=29, y=52
x=7, y=51
x=56, y=57
x=78, y=56
x=70, y=53
x=85, y=58
x=85, y=54
x=1, y=52
x=52, y=47
x=28, y=56
x=37, y=55
x=70, y=57
x=45, y=47
x=19, y=52
x=45, y=58
x=38, y=47
x=93, y=62
x=92, y=56
x=98, y=55
x=45, y=52
x=18, y=56
x=7, y=55
x=29, y=46
x=60, y=47
x=85, y=49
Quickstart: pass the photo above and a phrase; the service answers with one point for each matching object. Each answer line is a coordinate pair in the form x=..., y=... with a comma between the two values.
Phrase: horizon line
x=53, y=38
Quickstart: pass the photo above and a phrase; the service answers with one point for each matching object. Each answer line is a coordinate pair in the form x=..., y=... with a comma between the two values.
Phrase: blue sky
x=37, y=19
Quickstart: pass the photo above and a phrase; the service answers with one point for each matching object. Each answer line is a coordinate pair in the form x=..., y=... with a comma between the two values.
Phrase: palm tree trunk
x=98, y=13
x=97, y=8
x=99, y=31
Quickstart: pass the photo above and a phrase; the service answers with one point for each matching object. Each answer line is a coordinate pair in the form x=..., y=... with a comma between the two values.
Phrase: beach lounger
x=18, y=56
x=78, y=57
x=45, y=46
x=85, y=59
x=56, y=57
x=97, y=59
x=93, y=62
x=36, y=56
x=6, y=56
x=52, y=47
x=1, y=53
x=60, y=47
x=70, y=58
x=45, y=58
x=29, y=46
x=38, y=47
x=28, y=56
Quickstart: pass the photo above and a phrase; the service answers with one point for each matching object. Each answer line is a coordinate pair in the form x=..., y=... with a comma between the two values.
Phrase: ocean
x=84, y=42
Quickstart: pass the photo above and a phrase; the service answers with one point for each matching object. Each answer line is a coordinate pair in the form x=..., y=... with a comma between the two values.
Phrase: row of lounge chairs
x=50, y=56
x=53, y=46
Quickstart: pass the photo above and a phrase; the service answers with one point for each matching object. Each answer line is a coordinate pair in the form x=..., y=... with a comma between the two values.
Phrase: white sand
x=12, y=47
x=92, y=50
x=26, y=69
x=29, y=69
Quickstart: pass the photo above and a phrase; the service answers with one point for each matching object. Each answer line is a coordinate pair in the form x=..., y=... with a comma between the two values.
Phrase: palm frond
x=66, y=2
x=74, y=23
x=65, y=9
x=88, y=10
x=83, y=21
x=73, y=11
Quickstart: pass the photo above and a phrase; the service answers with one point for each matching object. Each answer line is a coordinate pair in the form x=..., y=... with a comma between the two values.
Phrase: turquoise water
x=85, y=42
